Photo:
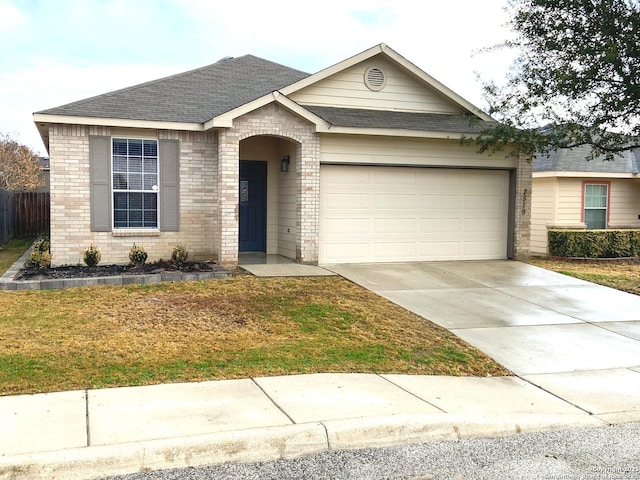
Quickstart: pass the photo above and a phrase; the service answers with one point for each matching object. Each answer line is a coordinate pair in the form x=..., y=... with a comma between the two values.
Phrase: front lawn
x=625, y=277
x=239, y=327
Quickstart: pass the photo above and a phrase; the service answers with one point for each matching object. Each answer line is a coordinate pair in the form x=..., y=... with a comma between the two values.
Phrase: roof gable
x=401, y=91
x=190, y=97
x=382, y=53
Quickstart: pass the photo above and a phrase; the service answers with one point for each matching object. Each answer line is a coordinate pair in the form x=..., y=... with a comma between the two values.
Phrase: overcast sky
x=57, y=51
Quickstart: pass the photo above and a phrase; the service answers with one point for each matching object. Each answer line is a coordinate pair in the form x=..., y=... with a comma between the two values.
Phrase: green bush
x=40, y=256
x=92, y=256
x=137, y=255
x=594, y=243
x=180, y=255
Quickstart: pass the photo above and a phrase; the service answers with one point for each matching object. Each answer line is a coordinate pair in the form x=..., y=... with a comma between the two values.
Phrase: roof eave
x=44, y=118
x=395, y=132
x=554, y=174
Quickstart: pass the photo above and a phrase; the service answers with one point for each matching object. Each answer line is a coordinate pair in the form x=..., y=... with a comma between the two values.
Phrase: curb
x=275, y=443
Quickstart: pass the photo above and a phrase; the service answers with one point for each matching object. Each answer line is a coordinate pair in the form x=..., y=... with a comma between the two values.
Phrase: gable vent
x=375, y=78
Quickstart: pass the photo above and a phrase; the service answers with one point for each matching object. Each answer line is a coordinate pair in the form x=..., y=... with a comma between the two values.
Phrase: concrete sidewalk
x=95, y=433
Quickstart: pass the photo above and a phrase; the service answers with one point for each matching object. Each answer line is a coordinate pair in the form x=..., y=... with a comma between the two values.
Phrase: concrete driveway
x=578, y=340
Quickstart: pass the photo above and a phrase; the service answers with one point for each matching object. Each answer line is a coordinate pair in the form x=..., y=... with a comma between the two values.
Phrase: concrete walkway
x=574, y=346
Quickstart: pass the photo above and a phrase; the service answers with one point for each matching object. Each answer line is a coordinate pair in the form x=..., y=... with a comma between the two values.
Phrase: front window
x=595, y=205
x=135, y=183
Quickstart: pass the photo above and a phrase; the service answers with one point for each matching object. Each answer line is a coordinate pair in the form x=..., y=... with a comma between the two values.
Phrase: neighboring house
x=571, y=192
x=360, y=162
x=46, y=172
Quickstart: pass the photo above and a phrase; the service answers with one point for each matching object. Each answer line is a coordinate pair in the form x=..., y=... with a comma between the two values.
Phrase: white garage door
x=390, y=214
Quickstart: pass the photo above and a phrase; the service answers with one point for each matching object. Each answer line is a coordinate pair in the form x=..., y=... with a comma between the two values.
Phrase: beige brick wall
x=70, y=191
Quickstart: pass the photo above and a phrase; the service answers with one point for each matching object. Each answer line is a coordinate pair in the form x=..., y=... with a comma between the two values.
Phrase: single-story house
x=573, y=193
x=360, y=162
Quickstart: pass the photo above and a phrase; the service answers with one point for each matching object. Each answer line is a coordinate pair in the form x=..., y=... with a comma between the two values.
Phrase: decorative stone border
x=7, y=281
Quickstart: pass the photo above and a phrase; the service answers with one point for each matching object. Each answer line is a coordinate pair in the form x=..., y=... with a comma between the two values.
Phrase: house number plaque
x=244, y=191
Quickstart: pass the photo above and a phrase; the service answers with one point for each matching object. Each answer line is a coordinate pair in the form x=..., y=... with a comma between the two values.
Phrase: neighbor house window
x=596, y=199
x=135, y=183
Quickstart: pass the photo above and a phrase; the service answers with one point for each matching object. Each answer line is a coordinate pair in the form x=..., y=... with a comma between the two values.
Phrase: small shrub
x=137, y=255
x=180, y=255
x=40, y=257
x=92, y=256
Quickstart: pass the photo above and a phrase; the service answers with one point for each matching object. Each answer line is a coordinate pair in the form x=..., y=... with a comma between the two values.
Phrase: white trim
x=394, y=132
x=135, y=230
x=116, y=122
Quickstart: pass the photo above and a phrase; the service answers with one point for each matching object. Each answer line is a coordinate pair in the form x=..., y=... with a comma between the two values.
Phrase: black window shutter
x=100, y=178
x=169, y=186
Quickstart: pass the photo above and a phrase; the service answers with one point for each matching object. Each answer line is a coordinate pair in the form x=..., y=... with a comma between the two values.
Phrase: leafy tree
x=577, y=75
x=20, y=168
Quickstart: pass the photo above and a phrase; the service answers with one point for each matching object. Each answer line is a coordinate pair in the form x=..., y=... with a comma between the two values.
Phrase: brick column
x=522, y=232
x=308, y=200
x=228, y=177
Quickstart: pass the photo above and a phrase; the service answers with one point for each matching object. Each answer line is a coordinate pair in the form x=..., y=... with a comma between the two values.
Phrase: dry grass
x=12, y=251
x=625, y=277
x=239, y=327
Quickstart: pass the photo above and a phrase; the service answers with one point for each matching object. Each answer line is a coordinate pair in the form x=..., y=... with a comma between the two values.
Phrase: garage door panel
x=337, y=226
x=394, y=250
x=347, y=251
x=340, y=200
x=434, y=202
x=394, y=225
x=437, y=178
x=406, y=177
x=443, y=250
x=406, y=213
x=485, y=225
x=484, y=202
x=348, y=177
x=439, y=225
x=398, y=201
x=478, y=250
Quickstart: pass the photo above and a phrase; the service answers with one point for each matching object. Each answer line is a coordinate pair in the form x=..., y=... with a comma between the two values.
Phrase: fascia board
x=585, y=175
x=391, y=132
x=116, y=122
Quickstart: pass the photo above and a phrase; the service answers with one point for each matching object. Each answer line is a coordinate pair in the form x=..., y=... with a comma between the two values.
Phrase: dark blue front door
x=252, y=235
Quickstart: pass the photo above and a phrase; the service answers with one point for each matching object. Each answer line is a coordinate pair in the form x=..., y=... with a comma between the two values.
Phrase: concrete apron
x=575, y=339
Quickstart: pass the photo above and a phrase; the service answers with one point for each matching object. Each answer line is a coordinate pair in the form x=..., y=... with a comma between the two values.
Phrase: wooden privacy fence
x=31, y=213
x=6, y=216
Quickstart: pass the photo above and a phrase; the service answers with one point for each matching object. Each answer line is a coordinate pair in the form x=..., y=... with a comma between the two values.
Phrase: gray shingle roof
x=436, y=122
x=574, y=160
x=194, y=96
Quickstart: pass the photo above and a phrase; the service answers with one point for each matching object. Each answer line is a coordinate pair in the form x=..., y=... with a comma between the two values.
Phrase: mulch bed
x=73, y=271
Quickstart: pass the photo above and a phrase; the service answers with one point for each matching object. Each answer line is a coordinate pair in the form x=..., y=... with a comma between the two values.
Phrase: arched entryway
x=267, y=195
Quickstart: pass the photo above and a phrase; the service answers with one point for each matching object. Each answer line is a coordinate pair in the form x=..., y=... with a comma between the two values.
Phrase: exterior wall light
x=284, y=164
